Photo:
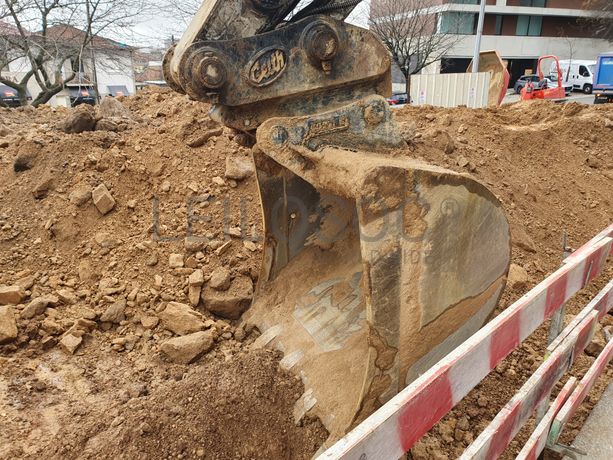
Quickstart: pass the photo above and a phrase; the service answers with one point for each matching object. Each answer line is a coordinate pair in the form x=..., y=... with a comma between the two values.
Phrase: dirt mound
x=208, y=412
x=104, y=232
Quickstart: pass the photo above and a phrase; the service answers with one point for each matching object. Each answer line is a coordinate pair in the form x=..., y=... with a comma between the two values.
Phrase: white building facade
x=520, y=30
x=110, y=71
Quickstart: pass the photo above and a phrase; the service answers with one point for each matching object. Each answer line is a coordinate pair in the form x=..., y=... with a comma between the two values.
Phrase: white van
x=579, y=73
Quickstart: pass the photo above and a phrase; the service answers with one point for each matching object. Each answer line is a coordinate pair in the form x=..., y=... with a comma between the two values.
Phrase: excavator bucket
x=375, y=266
x=490, y=61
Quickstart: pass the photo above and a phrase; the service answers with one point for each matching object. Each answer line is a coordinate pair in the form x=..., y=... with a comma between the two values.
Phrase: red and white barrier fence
x=496, y=437
x=607, y=232
x=538, y=440
x=602, y=303
x=578, y=395
x=395, y=427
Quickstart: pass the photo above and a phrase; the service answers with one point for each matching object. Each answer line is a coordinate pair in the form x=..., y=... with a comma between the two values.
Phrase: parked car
x=9, y=96
x=523, y=80
x=398, y=99
x=551, y=82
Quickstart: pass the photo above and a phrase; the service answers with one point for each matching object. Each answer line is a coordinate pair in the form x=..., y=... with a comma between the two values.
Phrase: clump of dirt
x=100, y=231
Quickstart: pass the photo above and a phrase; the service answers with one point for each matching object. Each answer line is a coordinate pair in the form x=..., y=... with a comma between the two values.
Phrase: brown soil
x=550, y=165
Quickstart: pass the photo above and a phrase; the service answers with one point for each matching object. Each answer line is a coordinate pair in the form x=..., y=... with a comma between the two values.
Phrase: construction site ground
x=97, y=366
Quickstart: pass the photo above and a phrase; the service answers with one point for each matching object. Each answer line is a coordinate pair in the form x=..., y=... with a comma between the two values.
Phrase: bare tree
x=55, y=37
x=571, y=51
x=414, y=35
x=602, y=23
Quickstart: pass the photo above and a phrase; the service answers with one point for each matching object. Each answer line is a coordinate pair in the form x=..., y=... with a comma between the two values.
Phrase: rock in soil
x=195, y=282
x=232, y=302
x=8, y=325
x=181, y=318
x=70, y=343
x=115, y=313
x=238, y=168
x=518, y=277
x=220, y=279
x=103, y=200
x=38, y=306
x=175, y=261
x=83, y=118
x=80, y=195
x=12, y=295
x=112, y=108
x=188, y=348
x=24, y=161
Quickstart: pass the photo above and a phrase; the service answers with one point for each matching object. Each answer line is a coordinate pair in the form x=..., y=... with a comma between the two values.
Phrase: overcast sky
x=154, y=31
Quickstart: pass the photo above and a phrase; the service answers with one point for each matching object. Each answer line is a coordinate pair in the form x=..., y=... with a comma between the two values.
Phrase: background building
x=148, y=67
x=520, y=30
x=105, y=67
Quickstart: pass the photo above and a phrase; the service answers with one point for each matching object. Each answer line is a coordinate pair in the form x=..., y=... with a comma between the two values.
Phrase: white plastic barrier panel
x=451, y=89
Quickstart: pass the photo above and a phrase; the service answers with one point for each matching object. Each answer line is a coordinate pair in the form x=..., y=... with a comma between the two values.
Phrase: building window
x=499, y=20
x=466, y=2
x=457, y=23
x=534, y=3
x=529, y=25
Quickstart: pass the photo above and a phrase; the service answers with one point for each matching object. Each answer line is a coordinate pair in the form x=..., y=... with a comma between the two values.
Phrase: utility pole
x=478, y=37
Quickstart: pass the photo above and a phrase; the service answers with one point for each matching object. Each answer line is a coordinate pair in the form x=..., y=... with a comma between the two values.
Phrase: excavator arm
x=375, y=265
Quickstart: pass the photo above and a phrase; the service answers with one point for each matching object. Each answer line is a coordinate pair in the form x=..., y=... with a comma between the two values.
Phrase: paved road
x=596, y=436
x=512, y=97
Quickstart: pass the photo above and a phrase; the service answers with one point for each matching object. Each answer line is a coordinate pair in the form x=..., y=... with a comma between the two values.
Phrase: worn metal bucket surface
x=375, y=266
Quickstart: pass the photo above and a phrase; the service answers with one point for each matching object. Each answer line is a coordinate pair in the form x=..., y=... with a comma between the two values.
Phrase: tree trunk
x=408, y=88
x=44, y=96
x=23, y=96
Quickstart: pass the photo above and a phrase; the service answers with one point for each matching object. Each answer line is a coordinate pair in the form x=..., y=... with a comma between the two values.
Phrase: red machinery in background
x=544, y=89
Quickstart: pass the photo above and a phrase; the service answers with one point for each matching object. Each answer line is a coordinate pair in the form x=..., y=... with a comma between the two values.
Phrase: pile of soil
x=183, y=203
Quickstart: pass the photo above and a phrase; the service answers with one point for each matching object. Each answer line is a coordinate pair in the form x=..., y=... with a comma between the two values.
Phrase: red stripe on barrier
x=585, y=337
x=604, y=304
x=498, y=434
x=549, y=379
x=505, y=340
x=607, y=232
x=504, y=433
x=556, y=294
x=593, y=265
x=432, y=402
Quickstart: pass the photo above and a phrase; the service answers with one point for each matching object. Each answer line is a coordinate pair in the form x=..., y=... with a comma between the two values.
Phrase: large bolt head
x=322, y=42
x=211, y=72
